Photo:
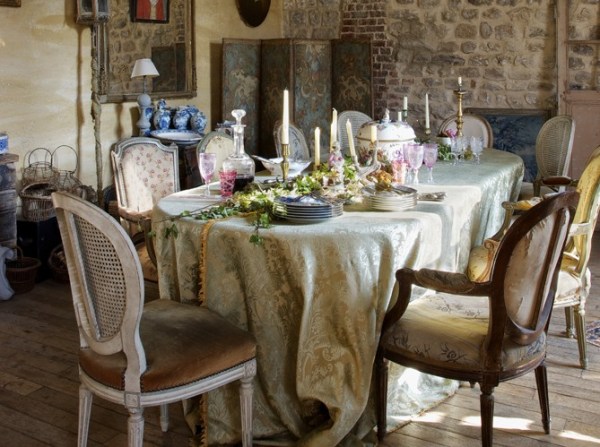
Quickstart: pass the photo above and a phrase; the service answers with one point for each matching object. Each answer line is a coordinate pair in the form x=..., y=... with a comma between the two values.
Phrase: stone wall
x=504, y=50
x=311, y=19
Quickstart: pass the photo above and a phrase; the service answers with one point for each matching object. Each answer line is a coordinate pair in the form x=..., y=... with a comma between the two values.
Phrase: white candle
x=459, y=81
x=350, y=139
x=285, y=127
x=373, y=133
x=317, y=146
x=333, y=137
x=405, y=103
x=426, y=110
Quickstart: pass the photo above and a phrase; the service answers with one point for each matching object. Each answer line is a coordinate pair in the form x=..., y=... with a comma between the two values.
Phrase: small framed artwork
x=16, y=3
x=156, y=11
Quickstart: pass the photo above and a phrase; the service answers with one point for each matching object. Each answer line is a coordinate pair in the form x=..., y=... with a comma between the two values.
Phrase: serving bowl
x=274, y=165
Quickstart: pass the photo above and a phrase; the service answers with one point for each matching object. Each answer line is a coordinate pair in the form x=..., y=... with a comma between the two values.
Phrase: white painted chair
x=145, y=171
x=357, y=119
x=141, y=355
x=473, y=126
x=299, y=149
x=219, y=143
x=553, y=147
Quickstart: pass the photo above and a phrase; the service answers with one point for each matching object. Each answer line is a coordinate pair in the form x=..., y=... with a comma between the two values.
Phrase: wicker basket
x=36, y=201
x=58, y=264
x=21, y=272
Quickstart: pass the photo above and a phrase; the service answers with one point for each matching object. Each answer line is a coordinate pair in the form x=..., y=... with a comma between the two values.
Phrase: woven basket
x=58, y=264
x=21, y=272
x=36, y=201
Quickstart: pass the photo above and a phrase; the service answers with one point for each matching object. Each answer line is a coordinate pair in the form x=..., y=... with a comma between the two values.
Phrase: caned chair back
x=145, y=171
x=473, y=126
x=219, y=143
x=106, y=282
x=553, y=146
x=299, y=149
x=357, y=119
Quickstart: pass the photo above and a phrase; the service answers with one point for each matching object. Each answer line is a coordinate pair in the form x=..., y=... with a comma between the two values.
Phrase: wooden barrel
x=8, y=218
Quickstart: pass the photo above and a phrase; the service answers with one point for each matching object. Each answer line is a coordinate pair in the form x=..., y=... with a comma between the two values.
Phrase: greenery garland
x=258, y=199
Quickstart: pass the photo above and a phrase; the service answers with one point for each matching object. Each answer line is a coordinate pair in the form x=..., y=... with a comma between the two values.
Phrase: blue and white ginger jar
x=198, y=122
x=162, y=117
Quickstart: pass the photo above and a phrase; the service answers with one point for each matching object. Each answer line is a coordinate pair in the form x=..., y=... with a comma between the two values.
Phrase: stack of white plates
x=399, y=198
x=306, y=209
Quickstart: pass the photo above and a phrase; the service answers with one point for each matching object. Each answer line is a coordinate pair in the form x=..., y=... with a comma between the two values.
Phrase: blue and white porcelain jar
x=162, y=116
x=198, y=122
x=181, y=119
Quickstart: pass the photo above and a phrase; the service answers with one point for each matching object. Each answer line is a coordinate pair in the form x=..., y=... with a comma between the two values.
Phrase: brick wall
x=504, y=50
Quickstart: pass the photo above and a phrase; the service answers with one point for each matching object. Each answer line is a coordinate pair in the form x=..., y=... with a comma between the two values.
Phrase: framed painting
x=516, y=130
x=150, y=11
x=16, y=3
x=170, y=45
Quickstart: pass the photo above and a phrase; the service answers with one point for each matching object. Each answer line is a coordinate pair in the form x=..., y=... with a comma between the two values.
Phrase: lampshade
x=144, y=67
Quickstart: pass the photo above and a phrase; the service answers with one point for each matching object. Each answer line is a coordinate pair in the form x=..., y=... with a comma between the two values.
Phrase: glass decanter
x=240, y=161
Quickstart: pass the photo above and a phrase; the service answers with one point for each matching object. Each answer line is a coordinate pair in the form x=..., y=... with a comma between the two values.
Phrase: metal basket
x=39, y=167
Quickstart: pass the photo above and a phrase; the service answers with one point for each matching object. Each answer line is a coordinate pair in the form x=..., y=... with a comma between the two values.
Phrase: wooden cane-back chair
x=141, y=355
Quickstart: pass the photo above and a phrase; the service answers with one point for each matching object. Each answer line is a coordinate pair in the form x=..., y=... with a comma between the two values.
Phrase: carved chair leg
x=579, y=312
x=135, y=427
x=164, y=418
x=85, y=410
x=246, y=391
x=569, y=322
x=541, y=380
x=486, y=402
x=381, y=370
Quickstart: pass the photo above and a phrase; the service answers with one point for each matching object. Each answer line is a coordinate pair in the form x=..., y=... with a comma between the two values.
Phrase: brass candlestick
x=459, y=92
x=285, y=164
x=427, y=133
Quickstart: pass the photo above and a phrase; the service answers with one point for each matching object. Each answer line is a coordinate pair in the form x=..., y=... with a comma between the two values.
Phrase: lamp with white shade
x=144, y=68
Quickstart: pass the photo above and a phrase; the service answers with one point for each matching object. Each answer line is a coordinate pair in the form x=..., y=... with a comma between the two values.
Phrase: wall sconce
x=92, y=11
x=146, y=69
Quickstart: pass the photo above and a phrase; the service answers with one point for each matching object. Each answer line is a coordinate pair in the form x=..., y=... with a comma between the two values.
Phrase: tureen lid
x=387, y=130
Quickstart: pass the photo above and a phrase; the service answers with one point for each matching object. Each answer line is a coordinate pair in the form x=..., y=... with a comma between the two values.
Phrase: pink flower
x=449, y=133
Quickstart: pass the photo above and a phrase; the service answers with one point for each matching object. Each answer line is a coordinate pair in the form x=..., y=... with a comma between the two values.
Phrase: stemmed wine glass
x=457, y=147
x=207, y=164
x=430, y=155
x=415, y=160
x=476, y=147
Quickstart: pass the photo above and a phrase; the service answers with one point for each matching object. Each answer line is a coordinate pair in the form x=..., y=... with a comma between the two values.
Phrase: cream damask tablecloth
x=315, y=295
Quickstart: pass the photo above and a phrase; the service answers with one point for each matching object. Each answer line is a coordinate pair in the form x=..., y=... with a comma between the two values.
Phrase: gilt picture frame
x=15, y=3
x=154, y=11
x=169, y=45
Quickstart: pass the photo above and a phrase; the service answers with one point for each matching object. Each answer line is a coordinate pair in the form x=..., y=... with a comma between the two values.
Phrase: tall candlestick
x=426, y=110
x=405, y=103
x=460, y=81
x=333, y=136
x=285, y=127
x=350, y=139
x=317, y=147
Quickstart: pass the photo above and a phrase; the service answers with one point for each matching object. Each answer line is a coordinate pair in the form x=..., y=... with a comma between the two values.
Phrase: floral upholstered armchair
x=145, y=171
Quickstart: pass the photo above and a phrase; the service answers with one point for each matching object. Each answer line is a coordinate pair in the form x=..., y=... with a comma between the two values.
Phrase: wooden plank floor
x=39, y=389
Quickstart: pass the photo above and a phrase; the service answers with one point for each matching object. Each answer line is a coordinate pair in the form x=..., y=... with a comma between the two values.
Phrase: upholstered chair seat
x=481, y=332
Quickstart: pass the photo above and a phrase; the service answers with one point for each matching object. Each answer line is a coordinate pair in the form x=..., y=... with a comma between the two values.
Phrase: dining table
x=315, y=294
